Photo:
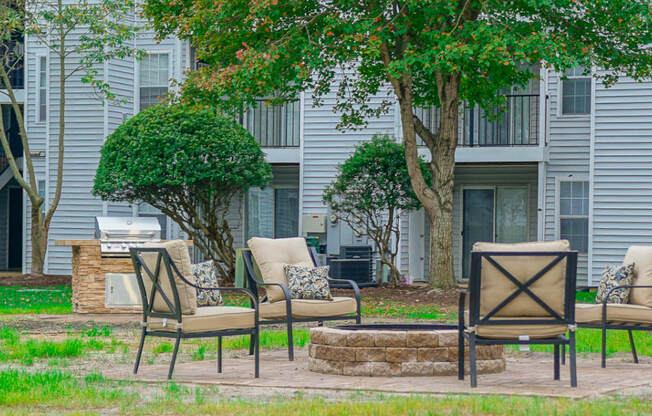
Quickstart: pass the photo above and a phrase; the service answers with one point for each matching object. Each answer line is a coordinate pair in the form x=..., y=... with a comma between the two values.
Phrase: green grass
x=13, y=348
x=50, y=300
x=268, y=340
x=585, y=297
x=393, y=309
x=58, y=392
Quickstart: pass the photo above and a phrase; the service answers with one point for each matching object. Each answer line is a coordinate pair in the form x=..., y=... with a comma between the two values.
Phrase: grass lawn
x=56, y=391
x=49, y=300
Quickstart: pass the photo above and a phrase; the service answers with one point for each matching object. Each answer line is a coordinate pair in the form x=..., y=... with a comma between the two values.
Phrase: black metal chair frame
x=253, y=283
x=175, y=315
x=604, y=325
x=468, y=332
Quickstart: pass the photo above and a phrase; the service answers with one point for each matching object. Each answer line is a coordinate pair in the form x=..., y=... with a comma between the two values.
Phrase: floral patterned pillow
x=206, y=276
x=614, y=276
x=305, y=282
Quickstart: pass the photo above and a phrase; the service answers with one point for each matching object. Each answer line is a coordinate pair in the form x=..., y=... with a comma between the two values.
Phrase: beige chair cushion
x=272, y=254
x=209, y=318
x=632, y=314
x=641, y=256
x=496, y=287
x=178, y=252
x=514, y=331
x=310, y=308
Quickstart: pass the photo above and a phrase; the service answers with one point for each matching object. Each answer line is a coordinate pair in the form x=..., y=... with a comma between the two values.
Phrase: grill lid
x=127, y=228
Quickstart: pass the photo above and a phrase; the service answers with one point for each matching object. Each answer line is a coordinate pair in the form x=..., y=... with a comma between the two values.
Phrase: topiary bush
x=191, y=164
x=370, y=191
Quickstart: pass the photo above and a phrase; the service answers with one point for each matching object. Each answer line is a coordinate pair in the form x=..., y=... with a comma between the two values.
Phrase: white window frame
x=558, y=216
x=560, y=96
x=138, y=82
x=39, y=59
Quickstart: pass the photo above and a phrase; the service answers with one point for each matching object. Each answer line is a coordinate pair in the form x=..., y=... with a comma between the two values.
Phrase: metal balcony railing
x=274, y=125
x=518, y=125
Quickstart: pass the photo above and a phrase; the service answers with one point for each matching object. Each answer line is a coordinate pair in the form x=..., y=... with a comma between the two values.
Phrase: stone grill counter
x=407, y=352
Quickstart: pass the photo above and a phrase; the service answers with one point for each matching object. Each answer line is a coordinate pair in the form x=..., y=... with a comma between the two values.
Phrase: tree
x=191, y=164
x=370, y=191
x=79, y=36
x=430, y=52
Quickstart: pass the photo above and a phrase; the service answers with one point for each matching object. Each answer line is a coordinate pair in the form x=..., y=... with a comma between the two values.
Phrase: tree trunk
x=39, y=235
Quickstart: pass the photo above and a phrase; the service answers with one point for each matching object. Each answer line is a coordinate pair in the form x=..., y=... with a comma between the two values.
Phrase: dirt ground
x=417, y=293
x=30, y=280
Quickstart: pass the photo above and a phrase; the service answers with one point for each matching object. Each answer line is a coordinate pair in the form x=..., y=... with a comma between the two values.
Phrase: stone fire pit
x=394, y=350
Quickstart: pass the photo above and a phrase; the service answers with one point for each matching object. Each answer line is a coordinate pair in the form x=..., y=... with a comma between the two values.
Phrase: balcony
x=14, y=49
x=518, y=125
x=274, y=126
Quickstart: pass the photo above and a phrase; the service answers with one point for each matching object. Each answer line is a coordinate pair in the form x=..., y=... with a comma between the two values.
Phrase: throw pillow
x=306, y=282
x=206, y=276
x=614, y=276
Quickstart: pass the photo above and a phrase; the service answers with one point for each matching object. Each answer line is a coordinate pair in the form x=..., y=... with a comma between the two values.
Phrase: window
x=146, y=210
x=154, y=76
x=576, y=92
x=574, y=214
x=42, y=88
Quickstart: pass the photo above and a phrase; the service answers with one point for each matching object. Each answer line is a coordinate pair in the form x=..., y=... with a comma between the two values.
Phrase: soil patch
x=31, y=280
x=407, y=294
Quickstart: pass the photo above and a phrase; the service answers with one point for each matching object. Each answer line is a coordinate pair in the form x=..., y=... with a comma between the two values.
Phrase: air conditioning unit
x=350, y=269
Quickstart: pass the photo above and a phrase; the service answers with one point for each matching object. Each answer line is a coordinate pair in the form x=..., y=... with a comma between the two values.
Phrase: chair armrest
x=460, y=309
x=606, y=297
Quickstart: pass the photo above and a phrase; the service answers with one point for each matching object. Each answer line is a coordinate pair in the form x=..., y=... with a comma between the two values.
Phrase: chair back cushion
x=496, y=287
x=272, y=254
x=178, y=252
x=641, y=256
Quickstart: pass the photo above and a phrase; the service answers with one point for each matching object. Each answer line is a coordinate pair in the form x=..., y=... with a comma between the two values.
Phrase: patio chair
x=520, y=294
x=636, y=315
x=268, y=256
x=170, y=309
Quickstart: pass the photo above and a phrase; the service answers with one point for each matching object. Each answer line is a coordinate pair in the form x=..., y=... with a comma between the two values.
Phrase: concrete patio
x=526, y=374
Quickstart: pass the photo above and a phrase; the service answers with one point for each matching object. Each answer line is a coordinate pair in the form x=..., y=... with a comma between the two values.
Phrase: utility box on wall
x=313, y=224
x=339, y=234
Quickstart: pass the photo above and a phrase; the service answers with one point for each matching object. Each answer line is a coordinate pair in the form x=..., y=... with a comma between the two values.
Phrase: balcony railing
x=274, y=125
x=14, y=51
x=518, y=125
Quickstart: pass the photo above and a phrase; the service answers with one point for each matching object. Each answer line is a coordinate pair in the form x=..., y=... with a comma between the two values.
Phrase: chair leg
x=174, y=355
x=631, y=342
x=358, y=319
x=604, y=347
x=460, y=355
x=219, y=354
x=140, y=350
x=563, y=354
x=556, y=359
x=251, y=344
x=573, y=359
x=472, y=364
x=290, y=341
x=257, y=354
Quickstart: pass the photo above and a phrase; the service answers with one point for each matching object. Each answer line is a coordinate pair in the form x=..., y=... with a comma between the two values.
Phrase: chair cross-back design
x=519, y=294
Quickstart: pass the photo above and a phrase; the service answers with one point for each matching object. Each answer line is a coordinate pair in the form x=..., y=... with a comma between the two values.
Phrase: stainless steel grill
x=118, y=234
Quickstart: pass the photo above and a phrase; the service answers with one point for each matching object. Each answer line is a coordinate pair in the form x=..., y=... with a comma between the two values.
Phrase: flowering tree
x=371, y=189
x=427, y=52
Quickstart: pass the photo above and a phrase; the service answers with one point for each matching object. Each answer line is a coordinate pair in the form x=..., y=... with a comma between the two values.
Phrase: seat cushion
x=495, y=287
x=631, y=314
x=537, y=331
x=310, y=308
x=209, y=318
x=641, y=256
x=178, y=252
x=272, y=254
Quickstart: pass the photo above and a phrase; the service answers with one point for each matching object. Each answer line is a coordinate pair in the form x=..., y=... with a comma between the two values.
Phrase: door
x=15, y=253
x=477, y=222
x=417, y=245
x=497, y=214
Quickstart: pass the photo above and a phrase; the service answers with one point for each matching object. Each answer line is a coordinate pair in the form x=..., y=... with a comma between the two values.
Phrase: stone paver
x=523, y=375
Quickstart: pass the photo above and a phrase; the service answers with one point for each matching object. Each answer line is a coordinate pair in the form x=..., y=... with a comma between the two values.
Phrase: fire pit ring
x=383, y=350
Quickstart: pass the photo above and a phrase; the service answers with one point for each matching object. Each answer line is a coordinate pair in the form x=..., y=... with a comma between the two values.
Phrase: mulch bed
x=30, y=280
x=407, y=294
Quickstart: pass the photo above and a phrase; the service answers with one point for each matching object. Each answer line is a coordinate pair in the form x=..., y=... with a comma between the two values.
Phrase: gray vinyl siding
x=622, y=179
x=568, y=149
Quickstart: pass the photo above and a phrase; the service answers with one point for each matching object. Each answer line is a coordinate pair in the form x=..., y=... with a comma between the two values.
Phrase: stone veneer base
x=382, y=353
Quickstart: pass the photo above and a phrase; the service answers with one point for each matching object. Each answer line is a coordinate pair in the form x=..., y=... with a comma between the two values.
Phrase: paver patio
x=526, y=375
